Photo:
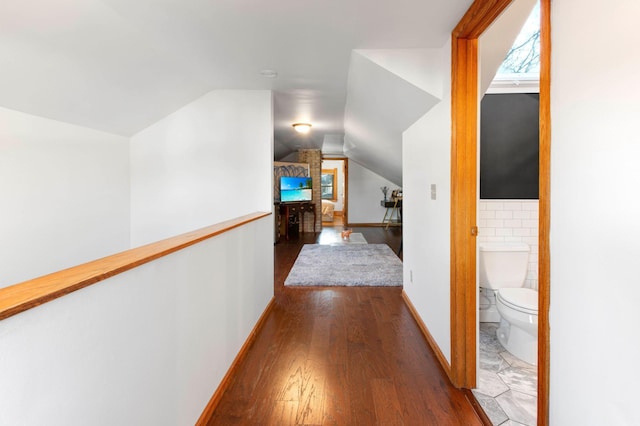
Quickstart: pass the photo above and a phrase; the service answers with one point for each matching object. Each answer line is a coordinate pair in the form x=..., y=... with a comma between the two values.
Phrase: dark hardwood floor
x=340, y=356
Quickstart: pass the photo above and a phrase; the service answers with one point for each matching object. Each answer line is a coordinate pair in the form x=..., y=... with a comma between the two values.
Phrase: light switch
x=433, y=191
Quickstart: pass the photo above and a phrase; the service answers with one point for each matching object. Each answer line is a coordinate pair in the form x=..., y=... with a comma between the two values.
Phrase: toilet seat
x=521, y=299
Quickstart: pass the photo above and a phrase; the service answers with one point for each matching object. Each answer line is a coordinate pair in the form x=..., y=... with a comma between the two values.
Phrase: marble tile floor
x=507, y=386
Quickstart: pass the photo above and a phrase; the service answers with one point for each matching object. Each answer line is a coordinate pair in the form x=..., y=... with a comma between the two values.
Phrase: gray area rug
x=346, y=265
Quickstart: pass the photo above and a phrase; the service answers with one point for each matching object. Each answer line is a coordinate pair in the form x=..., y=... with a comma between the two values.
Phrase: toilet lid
x=521, y=299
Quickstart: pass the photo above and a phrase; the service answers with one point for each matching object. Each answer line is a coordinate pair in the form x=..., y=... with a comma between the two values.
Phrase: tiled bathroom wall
x=511, y=220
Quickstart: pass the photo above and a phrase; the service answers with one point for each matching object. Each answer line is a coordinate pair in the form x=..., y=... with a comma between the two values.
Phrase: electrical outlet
x=411, y=275
x=433, y=191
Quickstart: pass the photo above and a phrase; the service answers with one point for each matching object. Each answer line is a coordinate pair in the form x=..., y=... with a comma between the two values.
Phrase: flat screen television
x=295, y=189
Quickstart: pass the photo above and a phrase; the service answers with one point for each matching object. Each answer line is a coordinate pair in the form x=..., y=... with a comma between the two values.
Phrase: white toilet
x=503, y=268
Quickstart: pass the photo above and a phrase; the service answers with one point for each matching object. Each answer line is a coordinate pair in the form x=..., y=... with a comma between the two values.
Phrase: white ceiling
x=387, y=91
x=121, y=65
x=360, y=71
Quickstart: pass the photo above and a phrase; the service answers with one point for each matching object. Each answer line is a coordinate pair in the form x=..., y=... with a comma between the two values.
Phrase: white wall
x=511, y=220
x=146, y=347
x=595, y=211
x=339, y=166
x=426, y=161
x=64, y=195
x=207, y=162
x=365, y=194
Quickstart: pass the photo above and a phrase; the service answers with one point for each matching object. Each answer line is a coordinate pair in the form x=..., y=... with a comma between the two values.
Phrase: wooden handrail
x=29, y=294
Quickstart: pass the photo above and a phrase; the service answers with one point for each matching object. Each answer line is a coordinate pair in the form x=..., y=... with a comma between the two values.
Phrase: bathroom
x=507, y=385
x=508, y=216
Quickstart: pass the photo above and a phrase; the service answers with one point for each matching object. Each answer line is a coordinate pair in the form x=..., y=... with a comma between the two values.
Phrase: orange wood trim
x=29, y=294
x=427, y=335
x=463, y=210
x=479, y=17
x=207, y=414
x=464, y=136
x=486, y=421
x=334, y=172
x=345, y=208
x=544, y=257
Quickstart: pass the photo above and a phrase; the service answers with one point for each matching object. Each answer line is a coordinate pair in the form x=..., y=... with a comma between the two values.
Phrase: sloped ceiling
x=360, y=73
x=381, y=104
x=121, y=65
x=388, y=90
x=333, y=145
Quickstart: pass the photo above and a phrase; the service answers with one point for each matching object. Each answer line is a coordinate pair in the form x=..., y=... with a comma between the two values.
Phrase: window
x=328, y=184
x=524, y=56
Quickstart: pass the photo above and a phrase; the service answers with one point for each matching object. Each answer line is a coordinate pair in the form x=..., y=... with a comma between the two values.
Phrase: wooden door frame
x=345, y=208
x=464, y=136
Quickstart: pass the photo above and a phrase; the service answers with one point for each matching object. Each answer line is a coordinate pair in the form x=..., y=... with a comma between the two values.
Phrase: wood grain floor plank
x=337, y=400
x=312, y=395
x=340, y=356
x=284, y=413
x=386, y=402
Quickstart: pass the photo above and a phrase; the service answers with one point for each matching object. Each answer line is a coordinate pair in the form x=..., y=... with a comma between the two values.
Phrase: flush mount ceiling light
x=266, y=73
x=302, y=127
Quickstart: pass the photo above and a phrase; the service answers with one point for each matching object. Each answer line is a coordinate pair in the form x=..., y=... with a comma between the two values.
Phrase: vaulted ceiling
x=120, y=65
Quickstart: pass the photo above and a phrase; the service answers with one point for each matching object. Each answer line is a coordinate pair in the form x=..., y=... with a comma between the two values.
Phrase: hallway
x=340, y=356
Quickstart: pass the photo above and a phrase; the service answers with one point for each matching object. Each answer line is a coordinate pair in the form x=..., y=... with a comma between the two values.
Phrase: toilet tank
x=503, y=264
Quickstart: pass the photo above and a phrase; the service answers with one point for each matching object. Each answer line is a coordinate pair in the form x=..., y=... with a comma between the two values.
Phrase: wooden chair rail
x=29, y=294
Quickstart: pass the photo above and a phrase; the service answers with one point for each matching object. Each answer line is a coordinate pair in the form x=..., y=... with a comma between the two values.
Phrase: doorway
x=507, y=213
x=464, y=196
x=335, y=192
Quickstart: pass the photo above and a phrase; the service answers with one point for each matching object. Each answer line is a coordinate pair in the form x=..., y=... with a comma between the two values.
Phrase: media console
x=293, y=214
